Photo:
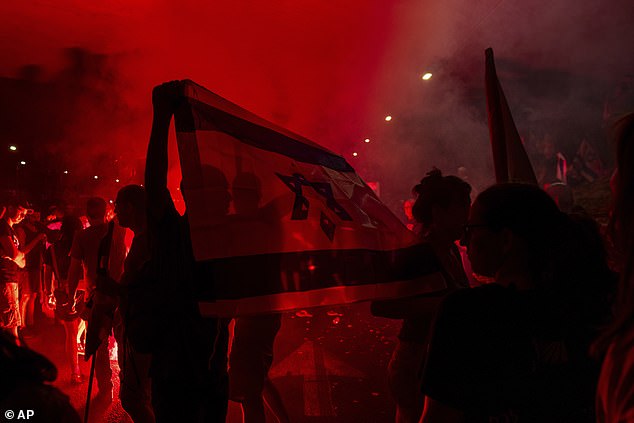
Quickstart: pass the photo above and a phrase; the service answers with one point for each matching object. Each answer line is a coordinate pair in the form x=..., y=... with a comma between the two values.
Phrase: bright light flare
x=96, y=177
x=427, y=76
x=22, y=162
x=13, y=148
x=355, y=154
x=366, y=140
x=388, y=118
x=65, y=172
x=116, y=180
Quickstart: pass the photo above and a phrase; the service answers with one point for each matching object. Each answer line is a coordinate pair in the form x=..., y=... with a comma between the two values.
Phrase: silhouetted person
x=84, y=256
x=441, y=209
x=25, y=385
x=254, y=336
x=615, y=393
x=516, y=349
x=135, y=390
x=188, y=370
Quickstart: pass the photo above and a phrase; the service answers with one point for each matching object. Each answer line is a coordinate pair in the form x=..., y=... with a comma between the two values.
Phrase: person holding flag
x=189, y=361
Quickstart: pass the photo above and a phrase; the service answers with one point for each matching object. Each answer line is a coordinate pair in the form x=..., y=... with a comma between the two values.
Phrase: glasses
x=468, y=229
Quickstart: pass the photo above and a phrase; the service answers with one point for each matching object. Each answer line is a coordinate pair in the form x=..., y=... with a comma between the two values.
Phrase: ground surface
x=329, y=366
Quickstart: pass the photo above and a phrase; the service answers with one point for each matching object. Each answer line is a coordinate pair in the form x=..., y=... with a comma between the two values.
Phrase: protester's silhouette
x=441, y=210
x=252, y=349
x=516, y=349
x=188, y=370
x=615, y=393
x=25, y=386
x=135, y=388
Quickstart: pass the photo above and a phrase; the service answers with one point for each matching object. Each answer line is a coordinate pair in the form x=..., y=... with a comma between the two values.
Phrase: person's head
x=16, y=211
x=511, y=227
x=130, y=206
x=55, y=213
x=246, y=192
x=442, y=204
x=216, y=190
x=70, y=225
x=96, y=210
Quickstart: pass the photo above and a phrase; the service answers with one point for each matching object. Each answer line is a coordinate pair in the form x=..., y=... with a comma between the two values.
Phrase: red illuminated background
x=77, y=76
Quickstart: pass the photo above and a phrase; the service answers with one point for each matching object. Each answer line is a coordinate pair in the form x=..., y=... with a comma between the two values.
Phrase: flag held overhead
x=278, y=222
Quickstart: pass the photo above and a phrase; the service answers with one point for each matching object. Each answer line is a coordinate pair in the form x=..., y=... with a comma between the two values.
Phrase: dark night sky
x=328, y=70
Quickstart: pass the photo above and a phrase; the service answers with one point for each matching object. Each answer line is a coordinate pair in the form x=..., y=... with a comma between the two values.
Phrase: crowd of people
x=544, y=334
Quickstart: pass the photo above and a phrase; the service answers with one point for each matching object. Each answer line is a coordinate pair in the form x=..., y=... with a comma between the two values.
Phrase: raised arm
x=164, y=102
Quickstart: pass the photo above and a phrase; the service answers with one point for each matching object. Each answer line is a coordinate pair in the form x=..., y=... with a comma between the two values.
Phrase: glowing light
x=96, y=177
x=116, y=180
x=366, y=140
x=22, y=162
x=427, y=76
x=388, y=118
x=65, y=172
x=111, y=202
x=13, y=148
x=355, y=154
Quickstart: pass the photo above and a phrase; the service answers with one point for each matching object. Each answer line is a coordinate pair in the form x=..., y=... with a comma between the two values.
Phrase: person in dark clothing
x=517, y=349
x=189, y=364
x=615, y=391
x=254, y=336
x=441, y=209
x=135, y=387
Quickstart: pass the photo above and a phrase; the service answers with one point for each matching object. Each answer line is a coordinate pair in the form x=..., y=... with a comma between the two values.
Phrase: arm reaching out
x=165, y=100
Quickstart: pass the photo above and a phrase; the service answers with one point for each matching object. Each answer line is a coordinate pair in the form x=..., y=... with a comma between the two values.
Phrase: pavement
x=329, y=366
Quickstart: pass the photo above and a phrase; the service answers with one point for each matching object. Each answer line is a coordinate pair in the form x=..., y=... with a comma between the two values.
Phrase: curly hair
x=437, y=190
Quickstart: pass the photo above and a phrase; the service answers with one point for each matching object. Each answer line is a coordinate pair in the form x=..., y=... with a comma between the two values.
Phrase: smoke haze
x=330, y=71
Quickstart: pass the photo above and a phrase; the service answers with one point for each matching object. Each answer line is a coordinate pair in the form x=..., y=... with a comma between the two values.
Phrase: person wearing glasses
x=517, y=349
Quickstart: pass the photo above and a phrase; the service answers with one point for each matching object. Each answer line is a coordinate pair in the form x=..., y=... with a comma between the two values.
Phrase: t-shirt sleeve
x=461, y=360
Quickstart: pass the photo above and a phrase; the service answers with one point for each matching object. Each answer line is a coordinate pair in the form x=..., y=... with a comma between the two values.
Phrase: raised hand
x=167, y=97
